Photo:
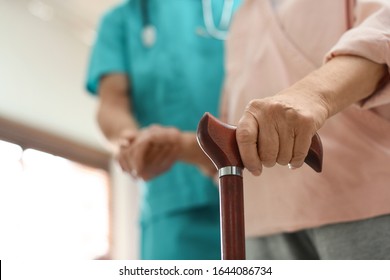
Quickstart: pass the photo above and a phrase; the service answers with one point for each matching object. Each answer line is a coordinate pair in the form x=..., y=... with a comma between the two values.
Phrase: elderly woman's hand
x=279, y=129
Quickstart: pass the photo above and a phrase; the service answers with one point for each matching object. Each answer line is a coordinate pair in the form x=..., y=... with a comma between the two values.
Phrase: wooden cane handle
x=314, y=156
x=218, y=141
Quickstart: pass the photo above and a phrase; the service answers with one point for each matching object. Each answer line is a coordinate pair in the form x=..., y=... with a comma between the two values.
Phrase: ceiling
x=85, y=13
x=80, y=17
x=88, y=10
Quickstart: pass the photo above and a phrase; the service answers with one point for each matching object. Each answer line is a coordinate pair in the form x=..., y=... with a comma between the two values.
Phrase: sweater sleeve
x=369, y=38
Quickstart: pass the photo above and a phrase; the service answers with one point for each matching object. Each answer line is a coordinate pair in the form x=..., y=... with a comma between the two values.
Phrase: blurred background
x=61, y=195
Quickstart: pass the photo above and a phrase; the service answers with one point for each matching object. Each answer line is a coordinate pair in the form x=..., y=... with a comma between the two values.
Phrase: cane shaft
x=232, y=218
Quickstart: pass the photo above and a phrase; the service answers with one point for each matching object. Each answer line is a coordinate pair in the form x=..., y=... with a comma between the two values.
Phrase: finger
x=157, y=169
x=123, y=143
x=301, y=148
x=149, y=148
x=129, y=134
x=138, y=153
x=247, y=136
x=155, y=155
x=165, y=144
x=127, y=138
x=268, y=145
x=165, y=153
x=158, y=160
x=123, y=163
x=286, y=144
x=162, y=151
x=170, y=157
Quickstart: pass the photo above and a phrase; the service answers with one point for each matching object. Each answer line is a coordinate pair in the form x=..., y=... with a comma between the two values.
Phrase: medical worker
x=156, y=67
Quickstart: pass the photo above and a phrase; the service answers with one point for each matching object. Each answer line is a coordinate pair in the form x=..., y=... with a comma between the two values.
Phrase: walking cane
x=218, y=141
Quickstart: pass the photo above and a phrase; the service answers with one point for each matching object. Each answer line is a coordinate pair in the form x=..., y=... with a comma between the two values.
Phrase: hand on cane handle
x=218, y=141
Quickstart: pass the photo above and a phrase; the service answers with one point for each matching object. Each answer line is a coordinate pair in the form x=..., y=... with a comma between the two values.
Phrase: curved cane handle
x=218, y=141
x=314, y=156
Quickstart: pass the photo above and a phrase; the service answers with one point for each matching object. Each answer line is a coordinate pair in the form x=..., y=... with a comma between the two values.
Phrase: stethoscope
x=149, y=31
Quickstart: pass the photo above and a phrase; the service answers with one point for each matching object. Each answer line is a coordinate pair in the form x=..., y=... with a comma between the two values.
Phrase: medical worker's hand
x=149, y=152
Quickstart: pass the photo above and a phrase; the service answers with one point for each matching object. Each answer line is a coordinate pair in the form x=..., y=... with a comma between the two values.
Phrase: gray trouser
x=361, y=240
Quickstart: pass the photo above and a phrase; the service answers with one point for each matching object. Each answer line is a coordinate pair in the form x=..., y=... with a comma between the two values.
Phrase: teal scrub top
x=173, y=83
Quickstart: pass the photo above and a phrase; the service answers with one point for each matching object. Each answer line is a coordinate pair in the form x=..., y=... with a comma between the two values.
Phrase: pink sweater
x=267, y=51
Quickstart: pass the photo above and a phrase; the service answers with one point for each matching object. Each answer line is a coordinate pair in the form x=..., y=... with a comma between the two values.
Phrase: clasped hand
x=149, y=152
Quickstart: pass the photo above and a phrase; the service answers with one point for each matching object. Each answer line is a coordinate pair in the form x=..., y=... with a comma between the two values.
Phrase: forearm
x=114, y=115
x=289, y=119
x=115, y=121
x=342, y=81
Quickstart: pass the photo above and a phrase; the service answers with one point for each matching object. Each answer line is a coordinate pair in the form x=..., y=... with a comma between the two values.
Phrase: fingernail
x=292, y=167
x=134, y=174
x=256, y=172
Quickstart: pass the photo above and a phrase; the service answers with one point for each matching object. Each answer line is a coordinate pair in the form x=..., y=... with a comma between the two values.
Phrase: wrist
x=187, y=142
x=193, y=154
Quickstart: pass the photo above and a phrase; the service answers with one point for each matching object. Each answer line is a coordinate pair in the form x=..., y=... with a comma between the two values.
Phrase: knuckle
x=258, y=104
x=152, y=127
x=300, y=120
x=269, y=164
x=252, y=167
x=306, y=122
x=283, y=160
x=173, y=131
x=298, y=158
x=244, y=134
x=253, y=104
x=284, y=157
x=268, y=158
x=251, y=161
x=292, y=113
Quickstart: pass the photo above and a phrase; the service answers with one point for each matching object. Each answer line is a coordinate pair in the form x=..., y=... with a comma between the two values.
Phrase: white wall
x=42, y=72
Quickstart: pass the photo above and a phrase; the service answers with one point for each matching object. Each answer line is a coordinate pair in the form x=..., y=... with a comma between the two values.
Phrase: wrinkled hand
x=149, y=152
x=279, y=129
